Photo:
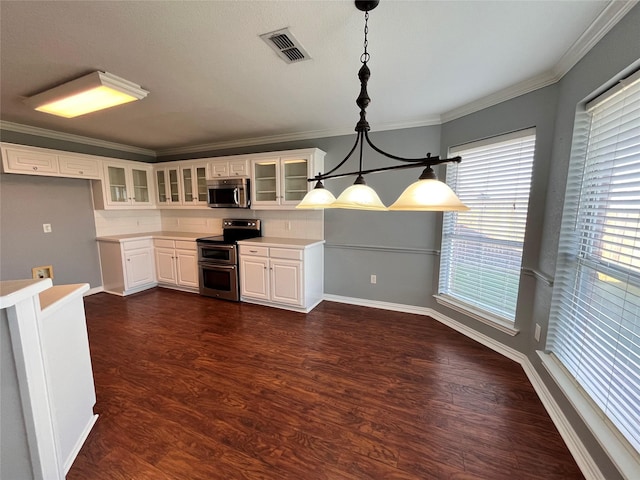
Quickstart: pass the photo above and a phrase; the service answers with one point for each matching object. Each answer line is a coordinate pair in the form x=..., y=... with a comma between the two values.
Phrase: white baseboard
x=93, y=291
x=578, y=450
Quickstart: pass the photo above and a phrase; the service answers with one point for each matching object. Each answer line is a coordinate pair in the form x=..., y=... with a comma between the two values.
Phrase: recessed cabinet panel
x=286, y=281
x=79, y=167
x=32, y=162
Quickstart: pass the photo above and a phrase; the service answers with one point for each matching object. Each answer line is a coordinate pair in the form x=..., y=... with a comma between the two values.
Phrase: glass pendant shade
x=359, y=197
x=428, y=195
x=319, y=197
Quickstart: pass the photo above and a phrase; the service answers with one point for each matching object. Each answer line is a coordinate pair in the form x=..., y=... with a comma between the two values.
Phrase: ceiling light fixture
x=427, y=194
x=92, y=92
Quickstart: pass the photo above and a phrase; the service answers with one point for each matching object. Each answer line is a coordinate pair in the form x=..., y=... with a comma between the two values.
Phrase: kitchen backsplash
x=275, y=223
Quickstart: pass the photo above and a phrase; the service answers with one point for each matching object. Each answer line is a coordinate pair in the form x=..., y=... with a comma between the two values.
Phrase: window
x=594, y=327
x=482, y=248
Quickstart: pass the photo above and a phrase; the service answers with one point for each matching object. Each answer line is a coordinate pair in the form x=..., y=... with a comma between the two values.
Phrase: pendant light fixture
x=427, y=194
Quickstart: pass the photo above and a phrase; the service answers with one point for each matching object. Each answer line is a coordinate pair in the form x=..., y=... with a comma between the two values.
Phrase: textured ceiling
x=214, y=81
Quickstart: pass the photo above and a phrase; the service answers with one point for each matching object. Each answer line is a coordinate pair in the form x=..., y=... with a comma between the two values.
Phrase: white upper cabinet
x=181, y=184
x=281, y=181
x=168, y=186
x=125, y=185
x=42, y=161
x=194, y=185
x=228, y=167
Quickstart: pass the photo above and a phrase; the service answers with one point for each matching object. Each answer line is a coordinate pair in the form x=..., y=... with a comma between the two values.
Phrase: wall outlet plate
x=46, y=227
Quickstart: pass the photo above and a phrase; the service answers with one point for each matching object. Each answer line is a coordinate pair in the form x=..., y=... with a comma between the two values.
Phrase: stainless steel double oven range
x=218, y=258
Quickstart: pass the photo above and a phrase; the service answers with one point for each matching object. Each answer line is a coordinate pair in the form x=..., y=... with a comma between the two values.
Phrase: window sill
x=619, y=450
x=477, y=314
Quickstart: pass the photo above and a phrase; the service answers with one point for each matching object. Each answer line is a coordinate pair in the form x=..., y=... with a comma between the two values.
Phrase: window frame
x=524, y=164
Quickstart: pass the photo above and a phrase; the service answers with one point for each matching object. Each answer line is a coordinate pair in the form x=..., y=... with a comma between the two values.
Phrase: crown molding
x=608, y=18
x=290, y=137
x=530, y=85
x=68, y=137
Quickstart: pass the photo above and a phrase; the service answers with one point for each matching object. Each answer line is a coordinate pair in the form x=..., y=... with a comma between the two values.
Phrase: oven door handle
x=216, y=247
x=217, y=266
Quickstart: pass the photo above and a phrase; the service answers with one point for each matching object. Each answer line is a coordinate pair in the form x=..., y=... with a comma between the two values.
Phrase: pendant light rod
x=415, y=163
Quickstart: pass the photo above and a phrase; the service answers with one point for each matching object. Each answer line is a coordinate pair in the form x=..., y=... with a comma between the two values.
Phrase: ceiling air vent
x=286, y=46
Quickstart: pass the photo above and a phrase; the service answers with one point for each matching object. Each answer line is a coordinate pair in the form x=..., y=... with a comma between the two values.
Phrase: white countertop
x=281, y=242
x=189, y=236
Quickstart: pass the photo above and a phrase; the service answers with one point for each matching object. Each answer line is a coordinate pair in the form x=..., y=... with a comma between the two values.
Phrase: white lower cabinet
x=127, y=265
x=287, y=273
x=176, y=263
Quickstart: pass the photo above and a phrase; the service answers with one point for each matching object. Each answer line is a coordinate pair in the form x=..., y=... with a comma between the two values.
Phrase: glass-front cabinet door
x=161, y=183
x=174, y=186
x=168, y=183
x=266, y=182
x=294, y=180
x=117, y=178
x=140, y=182
x=194, y=185
x=128, y=184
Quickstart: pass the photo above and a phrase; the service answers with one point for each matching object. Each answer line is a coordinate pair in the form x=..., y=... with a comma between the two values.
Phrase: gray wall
x=26, y=202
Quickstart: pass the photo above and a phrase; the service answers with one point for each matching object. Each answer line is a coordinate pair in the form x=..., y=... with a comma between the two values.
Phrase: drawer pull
x=253, y=251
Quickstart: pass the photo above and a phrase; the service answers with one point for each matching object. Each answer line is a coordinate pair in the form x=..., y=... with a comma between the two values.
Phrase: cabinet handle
x=253, y=251
x=35, y=168
x=81, y=172
x=128, y=259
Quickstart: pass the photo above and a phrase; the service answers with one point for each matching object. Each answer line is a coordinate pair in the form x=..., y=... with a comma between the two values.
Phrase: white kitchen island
x=47, y=394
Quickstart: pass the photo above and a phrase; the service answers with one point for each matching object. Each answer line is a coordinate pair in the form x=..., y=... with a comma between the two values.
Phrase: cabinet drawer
x=256, y=251
x=285, y=253
x=185, y=245
x=79, y=167
x=135, y=244
x=163, y=243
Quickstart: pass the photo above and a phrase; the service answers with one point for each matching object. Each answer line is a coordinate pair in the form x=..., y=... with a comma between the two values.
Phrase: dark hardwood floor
x=192, y=388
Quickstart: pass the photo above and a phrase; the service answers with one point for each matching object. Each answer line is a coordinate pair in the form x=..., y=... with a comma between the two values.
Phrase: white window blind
x=482, y=248
x=595, y=316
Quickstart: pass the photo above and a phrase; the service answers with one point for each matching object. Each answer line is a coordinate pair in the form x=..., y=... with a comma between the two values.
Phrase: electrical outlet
x=536, y=334
x=46, y=227
x=373, y=279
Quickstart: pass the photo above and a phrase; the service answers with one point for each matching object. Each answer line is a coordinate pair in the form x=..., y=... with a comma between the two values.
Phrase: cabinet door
x=140, y=186
x=286, y=282
x=294, y=185
x=117, y=193
x=166, y=265
x=194, y=185
x=238, y=168
x=187, y=262
x=31, y=162
x=139, y=267
x=161, y=185
x=265, y=188
x=79, y=167
x=220, y=169
x=254, y=277
x=201, y=184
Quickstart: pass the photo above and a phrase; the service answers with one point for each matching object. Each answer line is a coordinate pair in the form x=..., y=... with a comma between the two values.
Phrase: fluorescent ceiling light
x=96, y=91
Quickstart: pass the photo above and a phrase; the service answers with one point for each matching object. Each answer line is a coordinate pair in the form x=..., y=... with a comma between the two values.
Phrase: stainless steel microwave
x=229, y=192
